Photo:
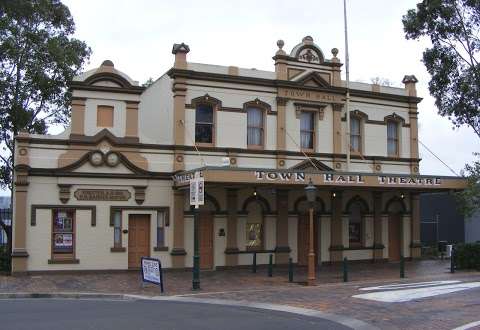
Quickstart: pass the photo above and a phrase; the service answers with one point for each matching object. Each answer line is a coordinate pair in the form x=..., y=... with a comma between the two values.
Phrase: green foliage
x=38, y=58
x=467, y=256
x=148, y=82
x=453, y=27
x=468, y=200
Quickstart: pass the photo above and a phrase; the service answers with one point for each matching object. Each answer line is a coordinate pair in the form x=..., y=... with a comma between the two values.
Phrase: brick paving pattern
x=330, y=295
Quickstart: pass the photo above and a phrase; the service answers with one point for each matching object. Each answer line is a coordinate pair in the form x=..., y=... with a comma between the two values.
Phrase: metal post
x=345, y=269
x=452, y=261
x=270, y=265
x=254, y=265
x=311, y=250
x=402, y=267
x=196, y=256
x=290, y=270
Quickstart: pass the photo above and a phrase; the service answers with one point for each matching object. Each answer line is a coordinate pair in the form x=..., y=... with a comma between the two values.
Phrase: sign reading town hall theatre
x=341, y=179
x=102, y=195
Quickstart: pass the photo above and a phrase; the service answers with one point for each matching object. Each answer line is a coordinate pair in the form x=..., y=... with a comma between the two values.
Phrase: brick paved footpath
x=330, y=295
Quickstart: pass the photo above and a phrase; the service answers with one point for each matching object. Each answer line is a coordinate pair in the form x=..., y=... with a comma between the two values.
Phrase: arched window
x=392, y=138
x=355, y=134
x=254, y=228
x=356, y=208
x=255, y=127
x=204, y=124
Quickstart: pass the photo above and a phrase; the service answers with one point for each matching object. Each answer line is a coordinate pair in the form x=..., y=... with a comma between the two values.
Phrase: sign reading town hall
x=330, y=178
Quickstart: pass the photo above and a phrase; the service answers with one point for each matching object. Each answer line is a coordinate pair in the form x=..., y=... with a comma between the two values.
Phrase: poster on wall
x=152, y=271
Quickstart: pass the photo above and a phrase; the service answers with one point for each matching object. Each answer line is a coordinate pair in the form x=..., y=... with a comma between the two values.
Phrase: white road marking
x=468, y=326
x=413, y=294
x=407, y=285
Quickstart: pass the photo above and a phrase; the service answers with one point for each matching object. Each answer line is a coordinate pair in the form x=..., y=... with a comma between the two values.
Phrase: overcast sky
x=138, y=37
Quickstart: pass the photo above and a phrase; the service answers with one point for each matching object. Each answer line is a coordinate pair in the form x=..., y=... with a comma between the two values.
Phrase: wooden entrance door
x=394, y=232
x=303, y=239
x=205, y=240
x=138, y=239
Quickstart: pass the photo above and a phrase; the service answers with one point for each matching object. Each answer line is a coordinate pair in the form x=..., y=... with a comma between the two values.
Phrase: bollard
x=254, y=265
x=452, y=261
x=402, y=267
x=290, y=270
x=345, y=269
x=270, y=265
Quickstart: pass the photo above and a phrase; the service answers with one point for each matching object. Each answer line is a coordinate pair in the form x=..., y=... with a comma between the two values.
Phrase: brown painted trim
x=165, y=209
x=35, y=207
x=63, y=261
x=384, y=104
x=204, y=149
x=51, y=172
x=232, y=88
x=160, y=248
x=118, y=249
x=77, y=85
x=190, y=74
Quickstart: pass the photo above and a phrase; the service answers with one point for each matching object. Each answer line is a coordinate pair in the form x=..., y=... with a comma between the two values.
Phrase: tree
x=453, y=27
x=38, y=59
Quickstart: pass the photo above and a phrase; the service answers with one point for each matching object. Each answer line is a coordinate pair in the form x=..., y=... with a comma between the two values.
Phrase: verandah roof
x=333, y=179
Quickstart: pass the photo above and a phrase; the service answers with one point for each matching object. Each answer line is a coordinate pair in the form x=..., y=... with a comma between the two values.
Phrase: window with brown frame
x=392, y=138
x=161, y=216
x=307, y=130
x=63, y=234
x=254, y=127
x=355, y=134
x=104, y=116
x=204, y=124
x=117, y=229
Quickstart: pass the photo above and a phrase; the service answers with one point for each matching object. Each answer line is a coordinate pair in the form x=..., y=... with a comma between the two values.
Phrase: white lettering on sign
x=331, y=178
x=409, y=180
x=280, y=176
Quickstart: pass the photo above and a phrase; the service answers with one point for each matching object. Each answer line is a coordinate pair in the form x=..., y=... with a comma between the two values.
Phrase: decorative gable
x=311, y=164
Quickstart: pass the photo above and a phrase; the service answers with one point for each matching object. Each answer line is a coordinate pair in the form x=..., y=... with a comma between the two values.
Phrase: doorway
x=138, y=239
x=205, y=233
x=394, y=240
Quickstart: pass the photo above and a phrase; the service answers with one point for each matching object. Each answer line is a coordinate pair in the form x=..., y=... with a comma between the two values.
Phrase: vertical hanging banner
x=197, y=190
x=152, y=271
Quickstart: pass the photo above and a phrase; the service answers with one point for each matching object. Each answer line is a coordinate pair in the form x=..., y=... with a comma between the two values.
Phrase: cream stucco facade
x=97, y=197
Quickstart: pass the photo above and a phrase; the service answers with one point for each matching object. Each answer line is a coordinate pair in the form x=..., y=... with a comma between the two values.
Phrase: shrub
x=467, y=256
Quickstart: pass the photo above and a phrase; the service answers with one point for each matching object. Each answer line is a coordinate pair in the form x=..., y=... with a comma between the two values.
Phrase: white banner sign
x=197, y=190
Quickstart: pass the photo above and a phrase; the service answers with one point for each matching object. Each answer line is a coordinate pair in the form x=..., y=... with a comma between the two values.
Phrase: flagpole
x=347, y=85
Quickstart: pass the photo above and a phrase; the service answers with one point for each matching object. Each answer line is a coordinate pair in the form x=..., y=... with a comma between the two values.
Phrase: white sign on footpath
x=152, y=271
x=197, y=190
x=412, y=292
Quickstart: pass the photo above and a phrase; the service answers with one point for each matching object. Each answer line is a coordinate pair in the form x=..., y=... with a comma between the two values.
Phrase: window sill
x=118, y=249
x=160, y=248
x=63, y=261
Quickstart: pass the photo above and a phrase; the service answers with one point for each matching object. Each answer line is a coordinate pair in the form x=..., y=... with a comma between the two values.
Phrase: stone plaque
x=102, y=195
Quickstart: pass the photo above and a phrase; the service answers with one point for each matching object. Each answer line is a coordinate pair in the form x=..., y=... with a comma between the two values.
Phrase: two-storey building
x=114, y=186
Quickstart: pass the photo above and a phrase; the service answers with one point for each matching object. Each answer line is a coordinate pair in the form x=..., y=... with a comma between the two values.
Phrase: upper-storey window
x=104, y=116
x=254, y=127
x=392, y=138
x=307, y=130
x=355, y=134
x=204, y=124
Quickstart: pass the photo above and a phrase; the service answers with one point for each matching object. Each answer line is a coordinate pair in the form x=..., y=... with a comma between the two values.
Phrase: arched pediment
x=307, y=51
x=205, y=99
x=110, y=77
x=395, y=205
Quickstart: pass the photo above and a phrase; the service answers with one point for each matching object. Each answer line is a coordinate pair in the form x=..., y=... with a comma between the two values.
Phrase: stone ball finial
x=280, y=43
x=107, y=63
x=307, y=40
x=334, y=52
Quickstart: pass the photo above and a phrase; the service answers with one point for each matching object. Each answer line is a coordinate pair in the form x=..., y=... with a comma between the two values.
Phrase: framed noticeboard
x=152, y=271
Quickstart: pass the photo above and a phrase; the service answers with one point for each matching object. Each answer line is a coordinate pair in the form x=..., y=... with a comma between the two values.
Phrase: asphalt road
x=53, y=314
